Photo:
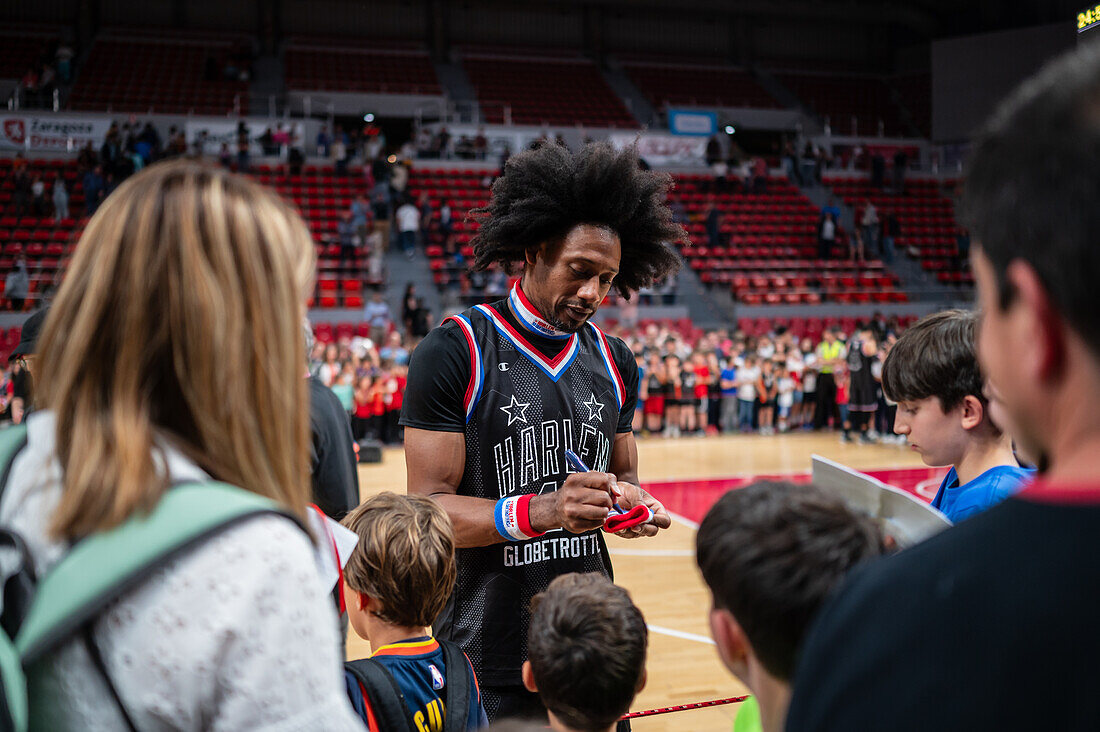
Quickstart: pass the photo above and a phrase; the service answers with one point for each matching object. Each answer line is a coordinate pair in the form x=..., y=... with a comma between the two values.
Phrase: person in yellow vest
x=830, y=356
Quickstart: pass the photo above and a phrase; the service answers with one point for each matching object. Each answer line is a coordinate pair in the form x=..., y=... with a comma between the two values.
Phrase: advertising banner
x=658, y=149
x=692, y=122
x=23, y=132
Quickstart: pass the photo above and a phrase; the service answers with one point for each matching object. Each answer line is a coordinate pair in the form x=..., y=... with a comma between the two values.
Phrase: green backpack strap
x=12, y=440
x=104, y=566
x=13, y=699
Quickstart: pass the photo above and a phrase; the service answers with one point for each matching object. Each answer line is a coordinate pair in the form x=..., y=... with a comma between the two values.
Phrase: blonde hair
x=179, y=319
x=405, y=557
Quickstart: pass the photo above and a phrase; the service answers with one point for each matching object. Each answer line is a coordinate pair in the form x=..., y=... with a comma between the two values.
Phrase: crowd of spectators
x=723, y=382
x=729, y=382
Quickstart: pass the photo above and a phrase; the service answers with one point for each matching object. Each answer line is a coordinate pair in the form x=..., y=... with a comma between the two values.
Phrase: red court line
x=692, y=498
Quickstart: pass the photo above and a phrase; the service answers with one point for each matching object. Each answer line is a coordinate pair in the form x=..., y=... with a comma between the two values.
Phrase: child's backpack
x=388, y=701
x=39, y=613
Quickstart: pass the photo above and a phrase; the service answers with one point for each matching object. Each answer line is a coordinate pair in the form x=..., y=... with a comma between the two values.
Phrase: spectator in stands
x=63, y=59
x=111, y=150
x=244, y=144
x=713, y=219
x=39, y=203
x=375, y=251
x=443, y=143
x=377, y=314
x=826, y=235
x=878, y=170
x=295, y=159
x=759, y=176
x=86, y=159
x=791, y=162
x=340, y=153
x=962, y=248
x=225, y=156
x=22, y=194
x=426, y=215
x=481, y=144
x=93, y=189
x=870, y=223
x=349, y=240
x=408, y=227
x=891, y=230
x=17, y=284
x=267, y=142
x=28, y=88
x=901, y=163
x=324, y=142
x=60, y=198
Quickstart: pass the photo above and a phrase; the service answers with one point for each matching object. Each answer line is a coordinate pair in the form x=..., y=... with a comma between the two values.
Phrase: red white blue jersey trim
x=530, y=317
x=609, y=364
x=477, y=375
x=552, y=367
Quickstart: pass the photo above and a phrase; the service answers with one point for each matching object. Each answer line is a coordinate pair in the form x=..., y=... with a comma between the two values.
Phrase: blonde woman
x=173, y=352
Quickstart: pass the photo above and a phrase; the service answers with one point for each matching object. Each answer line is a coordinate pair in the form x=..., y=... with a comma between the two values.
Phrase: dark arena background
x=815, y=150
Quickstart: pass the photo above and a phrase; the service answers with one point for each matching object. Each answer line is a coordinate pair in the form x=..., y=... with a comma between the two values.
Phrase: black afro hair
x=544, y=193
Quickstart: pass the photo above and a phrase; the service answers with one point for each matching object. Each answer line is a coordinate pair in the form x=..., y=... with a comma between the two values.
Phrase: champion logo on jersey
x=530, y=317
x=552, y=367
x=437, y=678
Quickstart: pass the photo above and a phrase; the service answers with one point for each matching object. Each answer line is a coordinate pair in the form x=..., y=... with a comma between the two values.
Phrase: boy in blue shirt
x=395, y=584
x=932, y=373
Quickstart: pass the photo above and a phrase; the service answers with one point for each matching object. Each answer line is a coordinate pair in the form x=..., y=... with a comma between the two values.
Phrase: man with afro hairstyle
x=498, y=393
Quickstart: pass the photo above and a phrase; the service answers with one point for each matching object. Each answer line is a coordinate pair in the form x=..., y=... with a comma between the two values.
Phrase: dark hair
x=935, y=357
x=1031, y=187
x=544, y=193
x=771, y=553
x=586, y=644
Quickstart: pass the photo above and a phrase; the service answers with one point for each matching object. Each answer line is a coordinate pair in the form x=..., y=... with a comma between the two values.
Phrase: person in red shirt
x=703, y=380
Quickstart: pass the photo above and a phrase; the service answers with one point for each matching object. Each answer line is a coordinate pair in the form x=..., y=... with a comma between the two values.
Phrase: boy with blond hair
x=395, y=583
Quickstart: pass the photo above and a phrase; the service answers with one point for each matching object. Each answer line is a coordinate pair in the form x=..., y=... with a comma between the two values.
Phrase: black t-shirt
x=991, y=625
x=333, y=467
x=433, y=397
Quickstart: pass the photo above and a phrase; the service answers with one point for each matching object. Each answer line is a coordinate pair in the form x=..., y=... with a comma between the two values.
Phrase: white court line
x=680, y=634
x=683, y=520
x=652, y=552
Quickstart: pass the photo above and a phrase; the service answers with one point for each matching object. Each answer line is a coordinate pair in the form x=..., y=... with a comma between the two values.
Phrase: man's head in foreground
x=586, y=650
x=771, y=553
x=580, y=223
x=1030, y=200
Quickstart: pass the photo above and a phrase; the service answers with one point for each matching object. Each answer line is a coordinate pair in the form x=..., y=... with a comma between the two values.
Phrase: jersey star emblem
x=594, y=407
x=516, y=411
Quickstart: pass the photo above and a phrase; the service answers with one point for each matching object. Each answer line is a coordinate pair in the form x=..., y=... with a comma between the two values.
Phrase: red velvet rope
x=685, y=707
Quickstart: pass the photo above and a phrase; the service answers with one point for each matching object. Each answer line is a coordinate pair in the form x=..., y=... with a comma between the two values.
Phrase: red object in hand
x=636, y=516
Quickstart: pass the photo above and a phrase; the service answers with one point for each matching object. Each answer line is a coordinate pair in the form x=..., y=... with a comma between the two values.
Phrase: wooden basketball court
x=660, y=572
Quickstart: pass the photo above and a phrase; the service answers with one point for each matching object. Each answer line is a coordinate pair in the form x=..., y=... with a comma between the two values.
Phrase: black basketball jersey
x=523, y=410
